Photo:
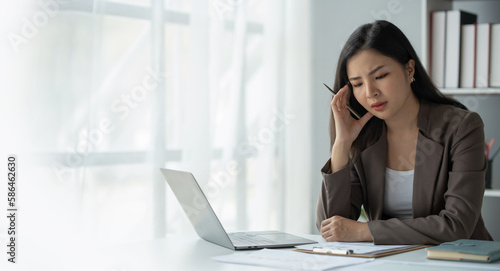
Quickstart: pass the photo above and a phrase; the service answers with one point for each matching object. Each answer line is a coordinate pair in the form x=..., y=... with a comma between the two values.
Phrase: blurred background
x=98, y=95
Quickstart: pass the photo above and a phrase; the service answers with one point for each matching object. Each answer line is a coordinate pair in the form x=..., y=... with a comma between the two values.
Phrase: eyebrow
x=370, y=73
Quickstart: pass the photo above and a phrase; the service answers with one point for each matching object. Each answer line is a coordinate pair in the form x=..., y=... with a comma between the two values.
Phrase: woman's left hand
x=341, y=229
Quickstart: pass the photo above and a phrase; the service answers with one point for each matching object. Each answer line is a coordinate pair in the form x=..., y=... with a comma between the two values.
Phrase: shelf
x=471, y=91
x=494, y=193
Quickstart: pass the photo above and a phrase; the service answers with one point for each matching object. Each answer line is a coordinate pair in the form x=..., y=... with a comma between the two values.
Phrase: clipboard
x=374, y=254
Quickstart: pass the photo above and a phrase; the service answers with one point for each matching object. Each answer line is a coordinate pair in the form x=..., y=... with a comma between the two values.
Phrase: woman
x=415, y=161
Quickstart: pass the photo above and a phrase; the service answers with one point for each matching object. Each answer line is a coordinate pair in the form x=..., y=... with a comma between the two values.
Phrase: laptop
x=206, y=224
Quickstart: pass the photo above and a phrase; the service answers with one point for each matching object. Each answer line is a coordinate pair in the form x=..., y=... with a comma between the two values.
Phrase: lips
x=379, y=106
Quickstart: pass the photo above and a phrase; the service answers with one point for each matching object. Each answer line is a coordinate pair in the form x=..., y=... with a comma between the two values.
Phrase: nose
x=371, y=90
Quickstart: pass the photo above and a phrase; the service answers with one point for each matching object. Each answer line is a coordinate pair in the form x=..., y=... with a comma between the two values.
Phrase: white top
x=398, y=194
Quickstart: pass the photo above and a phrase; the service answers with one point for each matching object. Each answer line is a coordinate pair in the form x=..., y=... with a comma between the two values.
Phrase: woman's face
x=381, y=84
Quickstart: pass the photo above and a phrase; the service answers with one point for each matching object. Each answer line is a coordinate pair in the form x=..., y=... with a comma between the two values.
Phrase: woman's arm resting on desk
x=338, y=229
x=340, y=194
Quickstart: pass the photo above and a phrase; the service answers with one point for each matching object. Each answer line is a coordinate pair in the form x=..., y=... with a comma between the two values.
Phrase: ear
x=410, y=68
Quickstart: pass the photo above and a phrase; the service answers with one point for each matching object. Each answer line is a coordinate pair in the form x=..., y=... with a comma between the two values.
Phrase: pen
x=347, y=105
x=333, y=250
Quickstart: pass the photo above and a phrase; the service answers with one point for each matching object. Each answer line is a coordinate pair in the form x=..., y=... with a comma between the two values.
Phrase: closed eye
x=357, y=85
x=381, y=76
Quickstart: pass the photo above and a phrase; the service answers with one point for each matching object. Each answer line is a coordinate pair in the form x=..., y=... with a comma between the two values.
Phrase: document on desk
x=358, y=249
x=291, y=260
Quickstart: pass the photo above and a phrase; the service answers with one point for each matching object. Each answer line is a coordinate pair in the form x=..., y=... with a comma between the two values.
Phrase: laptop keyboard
x=249, y=239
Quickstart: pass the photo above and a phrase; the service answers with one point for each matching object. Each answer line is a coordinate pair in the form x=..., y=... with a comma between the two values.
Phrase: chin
x=380, y=115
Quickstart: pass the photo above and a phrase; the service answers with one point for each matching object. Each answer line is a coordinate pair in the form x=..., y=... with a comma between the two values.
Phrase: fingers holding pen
x=340, y=100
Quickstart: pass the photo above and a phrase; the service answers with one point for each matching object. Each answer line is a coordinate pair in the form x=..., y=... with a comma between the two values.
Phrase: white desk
x=180, y=253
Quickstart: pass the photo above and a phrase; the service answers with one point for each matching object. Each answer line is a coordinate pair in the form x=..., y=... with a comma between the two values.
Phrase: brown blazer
x=448, y=184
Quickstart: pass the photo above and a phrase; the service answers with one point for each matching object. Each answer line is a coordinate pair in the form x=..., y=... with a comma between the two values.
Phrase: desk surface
x=188, y=252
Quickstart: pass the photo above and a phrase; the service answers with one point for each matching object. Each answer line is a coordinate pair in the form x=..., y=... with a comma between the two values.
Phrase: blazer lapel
x=427, y=164
x=374, y=161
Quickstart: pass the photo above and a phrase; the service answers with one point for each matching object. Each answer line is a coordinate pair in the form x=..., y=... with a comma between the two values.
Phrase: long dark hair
x=387, y=39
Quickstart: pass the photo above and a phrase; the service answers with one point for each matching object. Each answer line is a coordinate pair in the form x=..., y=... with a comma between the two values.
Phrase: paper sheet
x=289, y=260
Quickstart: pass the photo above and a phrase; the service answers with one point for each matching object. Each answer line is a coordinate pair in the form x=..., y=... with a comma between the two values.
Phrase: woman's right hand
x=347, y=128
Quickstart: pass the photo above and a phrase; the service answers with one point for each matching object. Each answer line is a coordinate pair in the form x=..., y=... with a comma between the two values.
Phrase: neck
x=406, y=119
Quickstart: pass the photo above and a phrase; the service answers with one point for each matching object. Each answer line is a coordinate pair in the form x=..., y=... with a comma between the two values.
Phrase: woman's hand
x=341, y=229
x=346, y=127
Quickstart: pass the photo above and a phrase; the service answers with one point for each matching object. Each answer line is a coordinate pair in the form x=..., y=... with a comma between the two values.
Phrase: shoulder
x=441, y=121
